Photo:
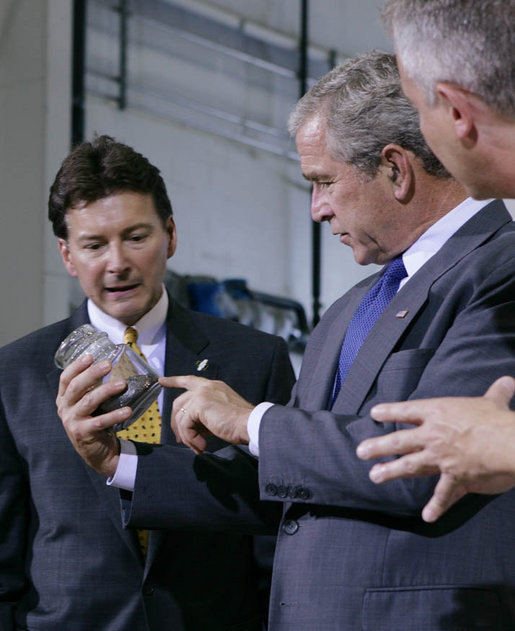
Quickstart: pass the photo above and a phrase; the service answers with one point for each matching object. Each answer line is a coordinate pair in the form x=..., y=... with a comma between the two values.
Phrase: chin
x=128, y=318
x=363, y=259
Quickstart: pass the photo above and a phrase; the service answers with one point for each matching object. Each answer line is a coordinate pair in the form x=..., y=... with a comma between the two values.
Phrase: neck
x=496, y=149
x=439, y=198
x=500, y=155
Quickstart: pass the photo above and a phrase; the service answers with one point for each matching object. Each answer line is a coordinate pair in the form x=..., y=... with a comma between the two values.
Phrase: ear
x=396, y=165
x=460, y=105
x=67, y=257
x=172, y=235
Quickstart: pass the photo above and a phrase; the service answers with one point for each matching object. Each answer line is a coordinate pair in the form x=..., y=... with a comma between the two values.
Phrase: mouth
x=121, y=290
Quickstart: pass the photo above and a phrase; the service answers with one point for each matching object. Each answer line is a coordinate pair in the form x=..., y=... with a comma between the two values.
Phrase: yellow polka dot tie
x=146, y=429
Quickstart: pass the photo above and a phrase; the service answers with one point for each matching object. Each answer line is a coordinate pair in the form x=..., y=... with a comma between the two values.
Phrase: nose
x=117, y=261
x=320, y=208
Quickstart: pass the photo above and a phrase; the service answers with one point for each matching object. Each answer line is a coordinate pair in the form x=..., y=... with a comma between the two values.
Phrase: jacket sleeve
x=177, y=489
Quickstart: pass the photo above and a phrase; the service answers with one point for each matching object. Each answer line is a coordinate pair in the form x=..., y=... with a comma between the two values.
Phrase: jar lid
x=76, y=343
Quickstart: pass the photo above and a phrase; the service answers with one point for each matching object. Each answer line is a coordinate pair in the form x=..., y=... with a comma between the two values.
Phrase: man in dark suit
x=351, y=554
x=65, y=561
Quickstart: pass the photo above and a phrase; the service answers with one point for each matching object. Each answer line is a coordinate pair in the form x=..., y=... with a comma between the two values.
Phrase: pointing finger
x=188, y=382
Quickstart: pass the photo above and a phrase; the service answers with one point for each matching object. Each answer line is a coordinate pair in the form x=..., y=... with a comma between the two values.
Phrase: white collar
x=428, y=244
x=150, y=327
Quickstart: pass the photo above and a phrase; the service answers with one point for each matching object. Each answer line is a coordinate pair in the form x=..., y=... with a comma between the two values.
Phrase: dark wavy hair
x=98, y=169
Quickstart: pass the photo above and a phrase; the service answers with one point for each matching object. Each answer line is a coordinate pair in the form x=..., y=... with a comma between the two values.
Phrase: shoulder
x=233, y=332
x=41, y=343
x=188, y=324
x=254, y=363
x=492, y=228
x=494, y=258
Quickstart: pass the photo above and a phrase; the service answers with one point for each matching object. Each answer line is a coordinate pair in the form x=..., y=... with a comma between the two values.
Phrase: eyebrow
x=127, y=231
x=316, y=177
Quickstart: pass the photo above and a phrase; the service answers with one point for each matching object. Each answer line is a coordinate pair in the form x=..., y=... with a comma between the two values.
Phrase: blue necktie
x=364, y=318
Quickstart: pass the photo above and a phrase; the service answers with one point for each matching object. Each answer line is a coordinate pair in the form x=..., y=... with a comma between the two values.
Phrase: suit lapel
x=380, y=342
x=187, y=353
x=388, y=329
x=324, y=370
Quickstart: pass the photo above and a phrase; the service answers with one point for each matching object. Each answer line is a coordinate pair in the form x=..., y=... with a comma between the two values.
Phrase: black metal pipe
x=303, y=47
x=78, y=71
x=122, y=64
x=316, y=248
x=331, y=58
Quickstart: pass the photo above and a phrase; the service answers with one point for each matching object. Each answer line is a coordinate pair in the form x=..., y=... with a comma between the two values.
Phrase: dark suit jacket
x=66, y=563
x=353, y=555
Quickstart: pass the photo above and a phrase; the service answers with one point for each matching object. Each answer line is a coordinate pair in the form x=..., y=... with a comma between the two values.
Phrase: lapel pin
x=202, y=364
x=401, y=314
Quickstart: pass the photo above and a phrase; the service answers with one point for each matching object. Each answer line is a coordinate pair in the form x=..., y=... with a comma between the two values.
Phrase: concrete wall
x=34, y=110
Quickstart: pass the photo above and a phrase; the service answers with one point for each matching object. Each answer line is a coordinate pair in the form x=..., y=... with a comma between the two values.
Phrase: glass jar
x=142, y=382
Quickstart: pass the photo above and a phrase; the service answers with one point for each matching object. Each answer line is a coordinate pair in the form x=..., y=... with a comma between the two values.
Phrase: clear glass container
x=142, y=382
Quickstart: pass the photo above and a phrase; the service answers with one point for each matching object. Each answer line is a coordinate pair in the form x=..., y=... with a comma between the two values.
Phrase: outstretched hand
x=470, y=441
x=207, y=407
x=78, y=397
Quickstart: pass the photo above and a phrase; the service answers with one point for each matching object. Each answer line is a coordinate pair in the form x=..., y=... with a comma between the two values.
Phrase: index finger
x=402, y=441
x=186, y=382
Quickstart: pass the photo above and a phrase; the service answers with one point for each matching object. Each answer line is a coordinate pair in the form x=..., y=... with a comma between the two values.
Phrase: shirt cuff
x=253, y=424
x=125, y=475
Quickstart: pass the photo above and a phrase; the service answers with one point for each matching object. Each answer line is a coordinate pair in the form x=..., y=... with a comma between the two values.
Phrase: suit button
x=271, y=489
x=282, y=491
x=149, y=589
x=290, y=526
x=302, y=493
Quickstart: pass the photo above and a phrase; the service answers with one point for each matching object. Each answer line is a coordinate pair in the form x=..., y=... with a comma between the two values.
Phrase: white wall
x=34, y=110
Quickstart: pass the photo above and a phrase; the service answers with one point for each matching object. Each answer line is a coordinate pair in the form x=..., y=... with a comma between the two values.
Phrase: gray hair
x=363, y=109
x=467, y=42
